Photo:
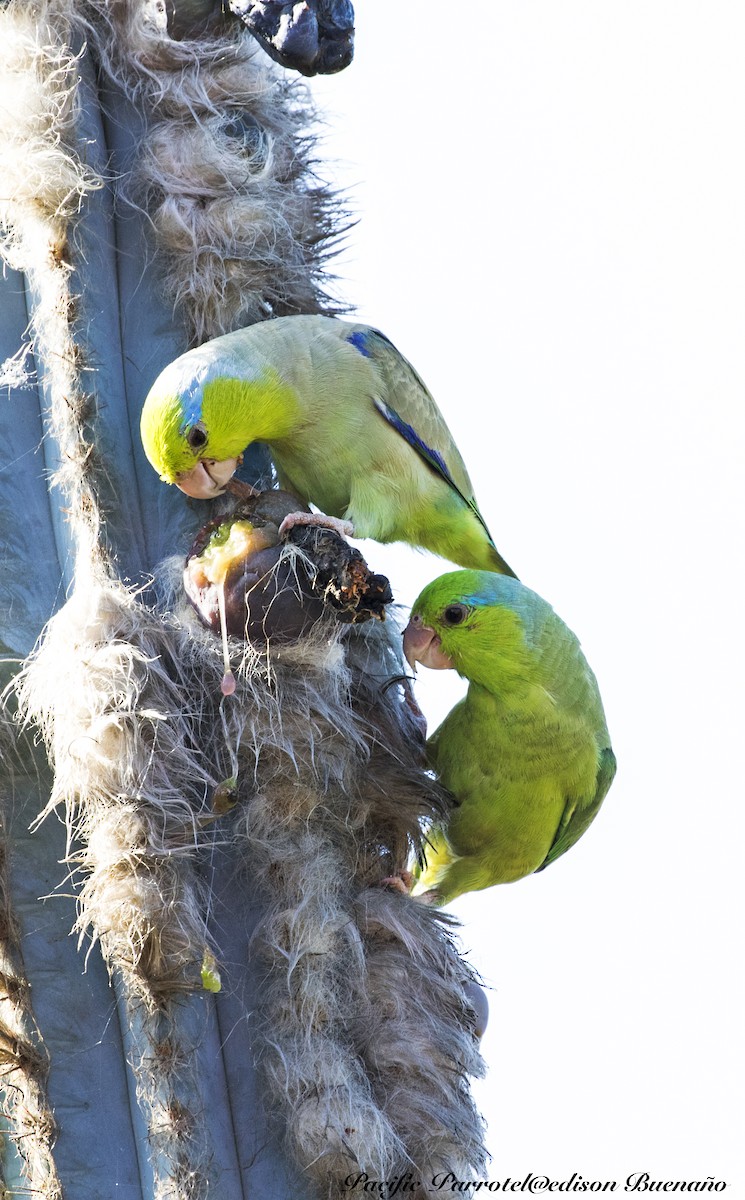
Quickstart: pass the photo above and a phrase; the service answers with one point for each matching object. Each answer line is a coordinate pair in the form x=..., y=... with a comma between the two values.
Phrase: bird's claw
x=420, y=720
x=402, y=882
x=344, y=528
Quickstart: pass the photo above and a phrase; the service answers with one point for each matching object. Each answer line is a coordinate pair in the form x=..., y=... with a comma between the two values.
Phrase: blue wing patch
x=433, y=457
x=364, y=340
x=359, y=341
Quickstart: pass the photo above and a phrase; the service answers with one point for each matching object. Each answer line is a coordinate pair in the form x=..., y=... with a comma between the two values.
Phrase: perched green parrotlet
x=350, y=426
x=526, y=753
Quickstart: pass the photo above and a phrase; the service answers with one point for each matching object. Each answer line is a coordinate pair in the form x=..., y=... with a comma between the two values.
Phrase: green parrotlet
x=526, y=753
x=350, y=426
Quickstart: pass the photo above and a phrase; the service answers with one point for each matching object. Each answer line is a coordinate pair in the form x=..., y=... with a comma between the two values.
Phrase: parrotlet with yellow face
x=526, y=753
x=350, y=426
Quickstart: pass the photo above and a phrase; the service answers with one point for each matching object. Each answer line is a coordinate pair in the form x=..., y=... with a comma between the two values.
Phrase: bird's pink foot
x=345, y=528
x=403, y=882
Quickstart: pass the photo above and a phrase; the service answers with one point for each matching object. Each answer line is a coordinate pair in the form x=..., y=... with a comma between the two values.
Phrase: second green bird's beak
x=207, y=478
x=421, y=644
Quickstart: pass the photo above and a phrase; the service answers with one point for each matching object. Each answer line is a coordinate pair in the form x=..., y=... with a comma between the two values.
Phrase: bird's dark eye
x=197, y=436
x=454, y=614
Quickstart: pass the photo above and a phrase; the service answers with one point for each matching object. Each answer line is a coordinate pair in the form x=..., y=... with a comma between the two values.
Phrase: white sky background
x=551, y=201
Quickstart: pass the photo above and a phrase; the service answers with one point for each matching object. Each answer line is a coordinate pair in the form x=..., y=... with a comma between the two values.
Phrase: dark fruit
x=270, y=595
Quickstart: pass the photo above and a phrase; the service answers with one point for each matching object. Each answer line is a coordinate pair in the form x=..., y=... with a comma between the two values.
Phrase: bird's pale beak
x=421, y=644
x=207, y=479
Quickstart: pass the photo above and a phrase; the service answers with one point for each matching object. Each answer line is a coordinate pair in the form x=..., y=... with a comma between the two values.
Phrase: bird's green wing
x=576, y=820
x=411, y=410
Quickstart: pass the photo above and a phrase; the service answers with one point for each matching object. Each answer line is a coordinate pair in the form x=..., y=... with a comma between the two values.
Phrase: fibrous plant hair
x=365, y=1032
